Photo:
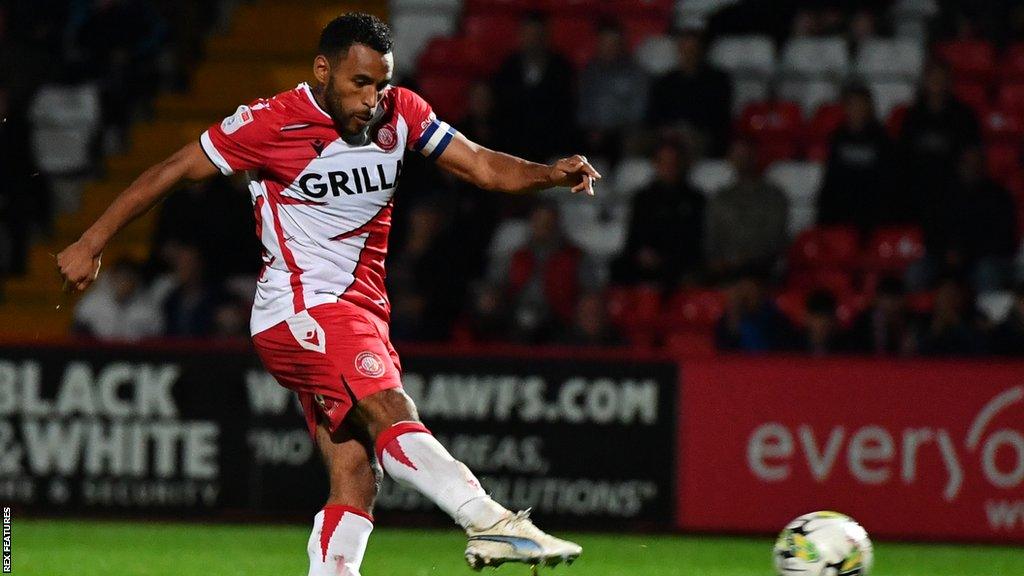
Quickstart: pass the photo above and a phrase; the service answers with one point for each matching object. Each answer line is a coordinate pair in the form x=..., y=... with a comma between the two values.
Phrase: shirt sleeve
x=427, y=134
x=240, y=142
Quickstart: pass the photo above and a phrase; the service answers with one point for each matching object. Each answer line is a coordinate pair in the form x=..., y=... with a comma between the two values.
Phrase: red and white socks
x=410, y=454
x=338, y=541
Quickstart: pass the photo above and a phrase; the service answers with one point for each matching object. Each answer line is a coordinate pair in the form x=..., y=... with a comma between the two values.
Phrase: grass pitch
x=85, y=548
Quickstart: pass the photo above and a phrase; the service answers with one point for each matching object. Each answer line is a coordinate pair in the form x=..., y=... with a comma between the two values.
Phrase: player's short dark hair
x=354, y=28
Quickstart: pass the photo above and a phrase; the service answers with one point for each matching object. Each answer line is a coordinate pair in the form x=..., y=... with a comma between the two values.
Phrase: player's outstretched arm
x=502, y=172
x=79, y=263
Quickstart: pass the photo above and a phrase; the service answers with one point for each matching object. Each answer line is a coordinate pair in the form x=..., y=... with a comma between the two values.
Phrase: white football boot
x=515, y=539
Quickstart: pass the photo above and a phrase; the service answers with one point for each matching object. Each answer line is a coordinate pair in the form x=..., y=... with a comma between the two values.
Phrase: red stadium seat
x=894, y=124
x=498, y=32
x=827, y=120
x=691, y=343
x=636, y=30
x=849, y=308
x=1002, y=126
x=825, y=247
x=973, y=94
x=921, y=302
x=1003, y=161
x=1012, y=66
x=574, y=38
x=893, y=249
x=1011, y=97
x=792, y=303
x=834, y=280
x=634, y=307
x=447, y=55
x=514, y=7
x=970, y=60
x=447, y=93
x=650, y=9
x=694, y=309
x=776, y=126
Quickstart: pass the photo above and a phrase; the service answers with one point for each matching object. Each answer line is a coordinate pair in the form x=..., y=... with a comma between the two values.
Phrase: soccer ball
x=823, y=544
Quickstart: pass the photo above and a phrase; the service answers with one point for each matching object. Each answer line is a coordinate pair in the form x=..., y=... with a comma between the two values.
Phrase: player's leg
x=410, y=454
x=342, y=529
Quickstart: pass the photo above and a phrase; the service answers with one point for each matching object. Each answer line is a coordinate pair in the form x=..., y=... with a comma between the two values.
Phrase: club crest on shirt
x=386, y=138
x=370, y=364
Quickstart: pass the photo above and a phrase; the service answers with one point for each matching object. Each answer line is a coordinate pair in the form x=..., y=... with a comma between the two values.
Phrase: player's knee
x=382, y=410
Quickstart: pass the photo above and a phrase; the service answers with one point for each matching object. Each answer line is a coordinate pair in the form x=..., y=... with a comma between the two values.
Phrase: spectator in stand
x=544, y=278
x=231, y=321
x=590, y=325
x=970, y=228
x=423, y=301
x=935, y=132
x=488, y=320
x=887, y=327
x=751, y=322
x=820, y=335
x=118, y=307
x=954, y=327
x=667, y=223
x=230, y=247
x=694, y=95
x=121, y=41
x=857, y=189
x=746, y=222
x=612, y=94
x=480, y=123
x=1008, y=337
x=534, y=96
x=189, y=307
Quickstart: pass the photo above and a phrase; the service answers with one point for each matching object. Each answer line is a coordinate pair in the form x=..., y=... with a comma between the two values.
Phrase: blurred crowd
x=697, y=243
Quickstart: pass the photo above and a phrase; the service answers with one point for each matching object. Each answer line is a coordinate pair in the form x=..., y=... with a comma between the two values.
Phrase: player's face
x=355, y=84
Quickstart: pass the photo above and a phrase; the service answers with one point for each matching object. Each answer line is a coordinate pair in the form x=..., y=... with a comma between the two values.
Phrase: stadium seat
x=694, y=309
x=657, y=55
x=445, y=54
x=849, y=308
x=1011, y=97
x=691, y=343
x=892, y=249
x=800, y=218
x=889, y=95
x=837, y=281
x=631, y=175
x=815, y=57
x=412, y=31
x=634, y=307
x=689, y=11
x=776, y=126
x=894, y=123
x=638, y=29
x=564, y=7
x=825, y=122
x=825, y=247
x=809, y=94
x=1003, y=161
x=1002, y=126
x=969, y=60
x=498, y=31
x=501, y=7
x=799, y=180
x=744, y=55
x=650, y=9
x=711, y=176
x=1011, y=67
x=792, y=304
x=898, y=59
x=576, y=39
x=974, y=94
x=449, y=6
x=447, y=94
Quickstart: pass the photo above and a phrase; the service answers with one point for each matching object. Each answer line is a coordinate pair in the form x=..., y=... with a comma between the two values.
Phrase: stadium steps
x=267, y=49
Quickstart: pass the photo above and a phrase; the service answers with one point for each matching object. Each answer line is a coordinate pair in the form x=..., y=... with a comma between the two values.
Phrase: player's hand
x=79, y=265
x=576, y=173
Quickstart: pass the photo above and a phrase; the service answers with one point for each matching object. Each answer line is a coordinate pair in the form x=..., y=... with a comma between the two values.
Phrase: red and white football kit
x=323, y=213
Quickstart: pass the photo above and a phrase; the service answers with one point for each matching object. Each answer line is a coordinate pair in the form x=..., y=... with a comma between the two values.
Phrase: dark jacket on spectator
x=858, y=179
x=703, y=100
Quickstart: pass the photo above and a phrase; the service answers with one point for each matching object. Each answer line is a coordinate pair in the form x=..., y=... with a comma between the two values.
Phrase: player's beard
x=340, y=118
